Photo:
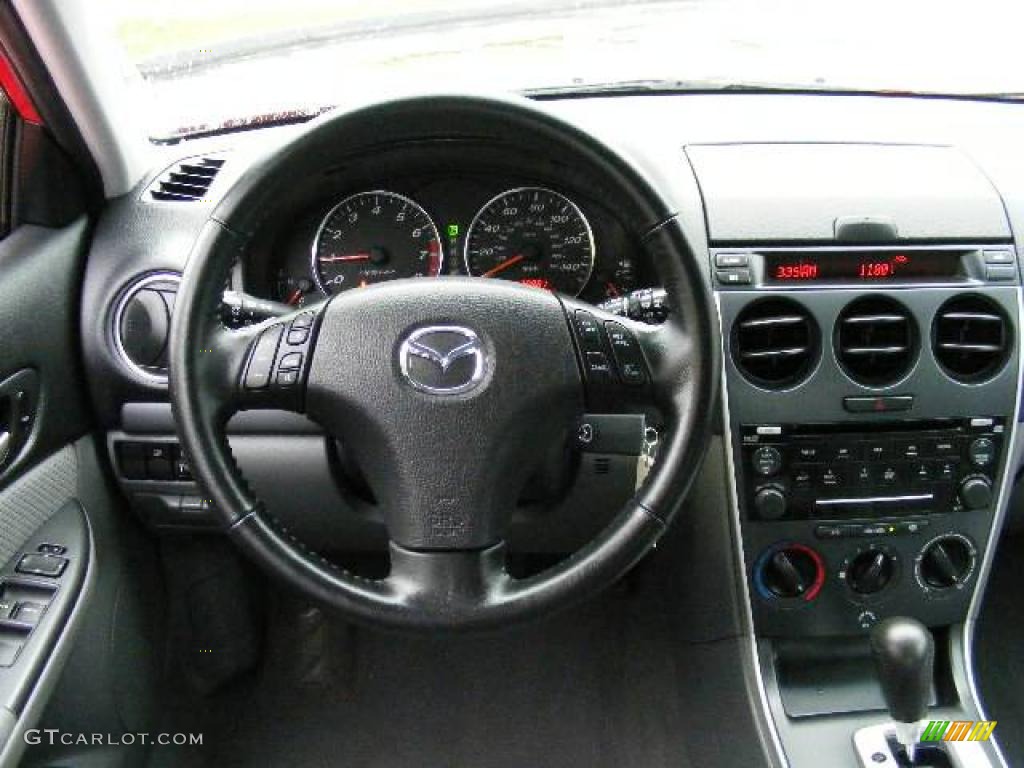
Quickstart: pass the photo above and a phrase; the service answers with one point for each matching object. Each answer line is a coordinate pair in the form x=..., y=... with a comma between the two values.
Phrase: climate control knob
x=790, y=572
x=870, y=571
x=976, y=492
x=946, y=562
x=770, y=503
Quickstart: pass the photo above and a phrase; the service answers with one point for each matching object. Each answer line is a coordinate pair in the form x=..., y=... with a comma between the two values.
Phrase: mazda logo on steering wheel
x=442, y=359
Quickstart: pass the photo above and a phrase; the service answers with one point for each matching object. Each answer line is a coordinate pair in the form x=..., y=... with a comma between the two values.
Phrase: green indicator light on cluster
x=453, y=230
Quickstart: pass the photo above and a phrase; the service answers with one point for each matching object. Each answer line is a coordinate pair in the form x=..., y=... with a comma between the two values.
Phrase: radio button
x=846, y=452
x=809, y=451
x=889, y=474
x=877, y=450
x=767, y=461
x=911, y=449
x=922, y=472
x=945, y=470
x=942, y=446
x=864, y=474
x=802, y=476
x=982, y=451
x=829, y=477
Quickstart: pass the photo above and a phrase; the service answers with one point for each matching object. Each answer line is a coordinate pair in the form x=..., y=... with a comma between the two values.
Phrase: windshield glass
x=210, y=64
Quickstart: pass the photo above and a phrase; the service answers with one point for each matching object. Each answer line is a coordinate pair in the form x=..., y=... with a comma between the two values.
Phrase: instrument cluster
x=508, y=229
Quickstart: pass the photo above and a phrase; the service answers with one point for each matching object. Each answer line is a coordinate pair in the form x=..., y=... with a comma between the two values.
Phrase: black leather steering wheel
x=446, y=467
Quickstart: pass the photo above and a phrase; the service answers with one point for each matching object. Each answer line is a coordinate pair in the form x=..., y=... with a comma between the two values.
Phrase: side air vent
x=141, y=324
x=876, y=340
x=187, y=181
x=971, y=338
x=775, y=343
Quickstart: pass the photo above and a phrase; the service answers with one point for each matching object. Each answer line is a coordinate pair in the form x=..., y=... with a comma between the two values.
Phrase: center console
x=869, y=434
x=869, y=304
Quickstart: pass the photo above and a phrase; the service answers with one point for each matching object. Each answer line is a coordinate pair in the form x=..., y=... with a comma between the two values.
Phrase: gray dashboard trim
x=753, y=660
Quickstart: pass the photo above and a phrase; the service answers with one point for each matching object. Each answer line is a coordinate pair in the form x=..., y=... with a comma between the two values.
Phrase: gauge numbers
x=533, y=236
x=371, y=237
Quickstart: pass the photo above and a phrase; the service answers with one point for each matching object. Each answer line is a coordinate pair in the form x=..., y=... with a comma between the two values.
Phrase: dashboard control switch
x=50, y=566
x=870, y=571
x=976, y=492
x=982, y=451
x=8, y=652
x=29, y=613
x=257, y=375
x=767, y=461
x=733, y=276
x=770, y=503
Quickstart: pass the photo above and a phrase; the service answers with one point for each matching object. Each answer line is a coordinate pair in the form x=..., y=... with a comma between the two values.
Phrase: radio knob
x=976, y=492
x=770, y=503
x=870, y=572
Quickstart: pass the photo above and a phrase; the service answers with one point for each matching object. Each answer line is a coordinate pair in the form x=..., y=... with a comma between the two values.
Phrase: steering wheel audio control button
x=261, y=364
x=588, y=331
x=626, y=351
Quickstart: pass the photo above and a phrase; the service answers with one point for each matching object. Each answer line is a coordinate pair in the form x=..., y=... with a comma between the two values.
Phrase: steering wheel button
x=305, y=320
x=291, y=361
x=297, y=335
x=262, y=361
x=598, y=365
x=627, y=354
x=287, y=378
x=589, y=331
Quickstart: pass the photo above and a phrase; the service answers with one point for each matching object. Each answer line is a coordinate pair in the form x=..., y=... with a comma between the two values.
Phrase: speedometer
x=371, y=237
x=534, y=236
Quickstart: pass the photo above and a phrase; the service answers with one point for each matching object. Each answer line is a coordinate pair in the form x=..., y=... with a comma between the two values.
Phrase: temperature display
x=876, y=266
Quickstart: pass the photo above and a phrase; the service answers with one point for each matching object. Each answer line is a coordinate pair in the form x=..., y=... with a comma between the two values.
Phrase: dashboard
x=547, y=233
x=864, y=261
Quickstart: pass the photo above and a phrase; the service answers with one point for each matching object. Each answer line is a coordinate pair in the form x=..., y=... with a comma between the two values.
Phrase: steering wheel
x=446, y=390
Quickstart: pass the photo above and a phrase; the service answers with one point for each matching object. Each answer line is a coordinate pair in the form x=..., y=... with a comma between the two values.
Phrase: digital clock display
x=867, y=267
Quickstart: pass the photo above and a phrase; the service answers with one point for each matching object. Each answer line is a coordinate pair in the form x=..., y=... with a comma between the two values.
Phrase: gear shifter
x=904, y=656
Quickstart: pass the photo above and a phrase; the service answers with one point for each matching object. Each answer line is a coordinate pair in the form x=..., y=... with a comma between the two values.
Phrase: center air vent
x=970, y=337
x=187, y=181
x=775, y=343
x=876, y=340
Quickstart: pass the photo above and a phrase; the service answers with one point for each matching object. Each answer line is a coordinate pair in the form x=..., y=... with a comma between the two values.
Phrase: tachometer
x=534, y=236
x=371, y=237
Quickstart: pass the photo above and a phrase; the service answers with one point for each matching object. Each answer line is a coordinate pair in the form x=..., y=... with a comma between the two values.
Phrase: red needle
x=503, y=266
x=347, y=257
x=294, y=297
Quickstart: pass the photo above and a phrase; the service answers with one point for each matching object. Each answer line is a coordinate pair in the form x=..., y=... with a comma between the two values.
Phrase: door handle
x=19, y=395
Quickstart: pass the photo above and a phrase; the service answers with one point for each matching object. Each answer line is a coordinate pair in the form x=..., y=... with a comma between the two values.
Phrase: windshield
x=211, y=64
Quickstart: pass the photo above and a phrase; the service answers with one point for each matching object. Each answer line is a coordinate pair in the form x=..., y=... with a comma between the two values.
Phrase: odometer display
x=533, y=236
x=371, y=237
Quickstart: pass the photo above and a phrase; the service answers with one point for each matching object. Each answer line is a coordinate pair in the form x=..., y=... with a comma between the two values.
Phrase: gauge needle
x=347, y=257
x=503, y=266
x=294, y=297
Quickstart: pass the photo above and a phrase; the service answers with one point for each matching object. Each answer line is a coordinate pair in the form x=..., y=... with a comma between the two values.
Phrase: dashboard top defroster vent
x=187, y=181
x=775, y=343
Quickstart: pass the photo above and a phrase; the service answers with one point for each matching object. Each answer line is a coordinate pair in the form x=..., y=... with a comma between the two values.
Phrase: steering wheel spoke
x=263, y=366
x=452, y=580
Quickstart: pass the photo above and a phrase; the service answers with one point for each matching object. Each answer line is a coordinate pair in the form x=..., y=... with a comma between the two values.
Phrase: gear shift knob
x=904, y=656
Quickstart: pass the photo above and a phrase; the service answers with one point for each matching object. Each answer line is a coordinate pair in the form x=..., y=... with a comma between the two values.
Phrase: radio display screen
x=864, y=267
